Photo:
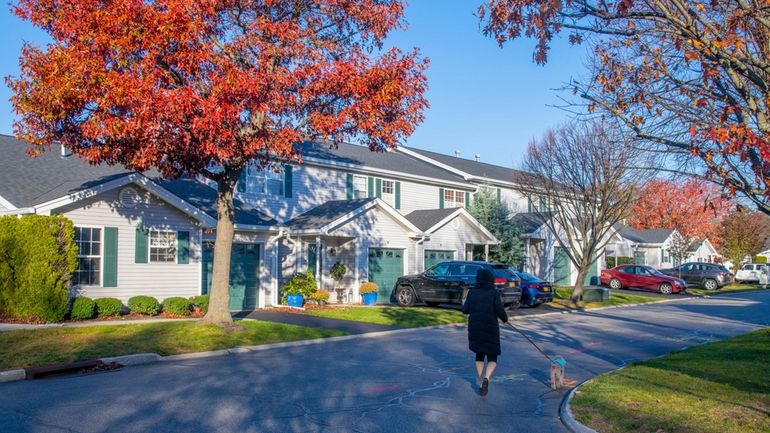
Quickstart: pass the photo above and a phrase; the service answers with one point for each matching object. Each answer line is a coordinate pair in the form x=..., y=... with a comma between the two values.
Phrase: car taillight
x=499, y=281
x=534, y=286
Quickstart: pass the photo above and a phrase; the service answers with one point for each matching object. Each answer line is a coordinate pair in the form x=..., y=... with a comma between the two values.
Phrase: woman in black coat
x=484, y=306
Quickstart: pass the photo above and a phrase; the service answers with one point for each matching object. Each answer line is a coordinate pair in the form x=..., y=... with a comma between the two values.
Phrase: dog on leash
x=557, y=372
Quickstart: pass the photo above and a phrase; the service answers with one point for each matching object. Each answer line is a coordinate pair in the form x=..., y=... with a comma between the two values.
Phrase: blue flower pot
x=370, y=298
x=294, y=300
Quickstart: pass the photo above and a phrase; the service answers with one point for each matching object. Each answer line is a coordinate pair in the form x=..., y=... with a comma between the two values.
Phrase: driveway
x=408, y=381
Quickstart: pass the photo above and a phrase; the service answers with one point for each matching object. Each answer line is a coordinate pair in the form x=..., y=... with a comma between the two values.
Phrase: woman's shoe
x=484, y=387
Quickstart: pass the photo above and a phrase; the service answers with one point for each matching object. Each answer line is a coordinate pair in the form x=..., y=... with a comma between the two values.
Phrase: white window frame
x=390, y=197
x=454, y=198
x=364, y=182
x=101, y=254
x=258, y=181
x=150, y=246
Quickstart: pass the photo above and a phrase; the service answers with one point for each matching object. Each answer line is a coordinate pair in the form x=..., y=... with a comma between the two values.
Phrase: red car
x=641, y=277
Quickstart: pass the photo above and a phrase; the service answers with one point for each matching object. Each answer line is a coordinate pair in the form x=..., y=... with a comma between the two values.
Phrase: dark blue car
x=534, y=291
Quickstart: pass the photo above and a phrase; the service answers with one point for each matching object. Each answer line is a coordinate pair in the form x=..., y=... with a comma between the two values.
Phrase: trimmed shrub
x=108, y=307
x=177, y=305
x=144, y=305
x=38, y=256
x=321, y=296
x=622, y=260
x=201, y=302
x=82, y=308
x=760, y=259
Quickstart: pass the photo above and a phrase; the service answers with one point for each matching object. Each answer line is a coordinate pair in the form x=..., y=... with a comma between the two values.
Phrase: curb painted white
x=565, y=413
x=12, y=375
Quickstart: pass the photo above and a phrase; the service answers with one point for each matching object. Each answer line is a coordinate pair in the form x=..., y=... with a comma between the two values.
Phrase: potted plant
x=321, y=296
x=338, y=272
x=368, y=291
x=297, y=288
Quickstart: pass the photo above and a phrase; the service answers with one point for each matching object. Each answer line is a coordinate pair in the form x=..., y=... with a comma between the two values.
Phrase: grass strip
x=561, y=299
x=412, y=317
x=30, y=348
x=714, y=388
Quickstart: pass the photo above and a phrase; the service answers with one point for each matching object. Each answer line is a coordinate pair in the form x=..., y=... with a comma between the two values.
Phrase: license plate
x=546, y=289
x=511, y=284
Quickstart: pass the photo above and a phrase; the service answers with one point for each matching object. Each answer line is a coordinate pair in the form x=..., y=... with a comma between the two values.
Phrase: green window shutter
x=349, y=186
x=183, y=248
x=241, y=185
x=398, y=195
x=110, y=275
x=288, y=181
x=499, y=199
x=370, y=182
x=441, y=198
x=142, y=245
x=379, y=188
x=467, y=200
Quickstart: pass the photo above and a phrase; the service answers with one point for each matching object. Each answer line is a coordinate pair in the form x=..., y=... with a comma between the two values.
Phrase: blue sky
x=484, y=99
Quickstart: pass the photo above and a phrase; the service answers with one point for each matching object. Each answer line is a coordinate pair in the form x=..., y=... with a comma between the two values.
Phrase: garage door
x=244, y=275
x=385, y=266
x=561, y=268
x=433, y=257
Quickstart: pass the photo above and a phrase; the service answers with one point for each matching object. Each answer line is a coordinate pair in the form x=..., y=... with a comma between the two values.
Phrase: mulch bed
x=196, y=314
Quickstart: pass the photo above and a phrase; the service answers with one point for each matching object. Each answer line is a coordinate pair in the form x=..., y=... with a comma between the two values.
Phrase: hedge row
x=38, y=255
x=83, y=308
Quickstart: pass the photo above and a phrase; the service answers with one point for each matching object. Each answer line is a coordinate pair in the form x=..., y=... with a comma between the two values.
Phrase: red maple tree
x=694, y=208
x=205, y=87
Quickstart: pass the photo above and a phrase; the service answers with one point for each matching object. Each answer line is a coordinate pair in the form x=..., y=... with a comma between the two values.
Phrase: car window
x=527, y=276
x=439, y=270
x=747, y=267
x=504, y=273
x=627, y=270
x=464, y=270
x=687, y=267
x=642, y=271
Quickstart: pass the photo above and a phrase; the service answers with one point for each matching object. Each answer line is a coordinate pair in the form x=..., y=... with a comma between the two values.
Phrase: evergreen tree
x=495, y=216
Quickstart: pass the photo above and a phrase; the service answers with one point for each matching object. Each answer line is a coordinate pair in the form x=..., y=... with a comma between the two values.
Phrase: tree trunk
x=577, y=292
x=219, y=302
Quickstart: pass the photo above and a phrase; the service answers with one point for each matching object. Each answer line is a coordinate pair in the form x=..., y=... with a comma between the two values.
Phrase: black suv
x=709, y=275
x=449, y=282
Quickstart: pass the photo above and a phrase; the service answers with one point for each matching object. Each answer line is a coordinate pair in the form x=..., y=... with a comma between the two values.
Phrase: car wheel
x=666, y=289
x=615, y=284
x=710, y=284
x=405, y=296
x=432, y=303
x=535, y=305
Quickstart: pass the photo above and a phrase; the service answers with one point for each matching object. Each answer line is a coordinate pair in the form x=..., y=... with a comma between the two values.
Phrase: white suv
x=750, y=273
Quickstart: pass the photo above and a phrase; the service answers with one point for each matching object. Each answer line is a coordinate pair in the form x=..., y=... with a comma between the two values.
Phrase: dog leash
x=531, y=342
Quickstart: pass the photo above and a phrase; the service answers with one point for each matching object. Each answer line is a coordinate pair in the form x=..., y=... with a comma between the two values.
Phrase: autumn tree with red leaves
x=205, y=87
x=744, y=234
x=694, y=208
x=690, y=78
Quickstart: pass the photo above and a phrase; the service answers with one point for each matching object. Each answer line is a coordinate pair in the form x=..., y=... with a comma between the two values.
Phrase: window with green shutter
x=349, y=186
x=398, y=195
x=379, y=188
x=371, y=187
x=288, y=181
x=141, y=245
x=110, y=261
x=467, y=200
x=183, y=248
x=441, y=198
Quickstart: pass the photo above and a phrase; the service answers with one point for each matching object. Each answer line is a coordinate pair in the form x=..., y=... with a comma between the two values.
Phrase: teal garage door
x=561, y=268
x=433, y=257
x=244, y=275
x=385, y=266
x=590, y=274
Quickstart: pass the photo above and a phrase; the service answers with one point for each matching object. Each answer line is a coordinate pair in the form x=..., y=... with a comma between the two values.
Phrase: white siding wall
x=2, y=208
x=515, y=201
x=313, y=186
x=160, y=280
x=452, y=236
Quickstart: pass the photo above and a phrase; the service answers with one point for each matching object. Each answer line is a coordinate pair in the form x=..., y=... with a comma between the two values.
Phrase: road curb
x=12, y=375
x=565, y=413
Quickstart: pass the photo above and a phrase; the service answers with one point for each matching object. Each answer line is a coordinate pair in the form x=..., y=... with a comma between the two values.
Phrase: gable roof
x=347, y=154
x=325, y=214
x=27, y=181
x=471, y=167
x=648, y=236
x=428, y=218
x=528, y=222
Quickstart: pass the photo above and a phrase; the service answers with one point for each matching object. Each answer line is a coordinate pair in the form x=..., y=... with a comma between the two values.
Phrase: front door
x=385, y=266
x=244, y=275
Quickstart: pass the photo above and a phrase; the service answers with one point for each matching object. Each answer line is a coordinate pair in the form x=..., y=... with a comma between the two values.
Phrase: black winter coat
x=484, y=307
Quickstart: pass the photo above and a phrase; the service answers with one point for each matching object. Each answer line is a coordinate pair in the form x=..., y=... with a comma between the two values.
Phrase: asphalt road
x=408, y=381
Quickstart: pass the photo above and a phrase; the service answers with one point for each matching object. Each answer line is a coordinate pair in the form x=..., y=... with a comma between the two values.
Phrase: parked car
x=449, y=282
x=641, y=277
x=711, y=276
x=749, y=272
x=534, y=290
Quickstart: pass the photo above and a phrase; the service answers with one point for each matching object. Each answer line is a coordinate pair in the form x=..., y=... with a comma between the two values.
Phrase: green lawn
x=411, y=317
x=561, y=299
x=715, y=388
x=735, y=287
x=29, y=348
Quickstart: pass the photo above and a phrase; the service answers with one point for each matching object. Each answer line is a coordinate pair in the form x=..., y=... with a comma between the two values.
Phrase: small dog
x=557, y=372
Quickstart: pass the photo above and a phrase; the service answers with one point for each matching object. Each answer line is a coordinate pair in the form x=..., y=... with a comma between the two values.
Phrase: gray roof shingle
x=427, y=218
x=528, y=222
x=326, y=213
x=347, y=153
x=648, y=236
x=472, y=167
